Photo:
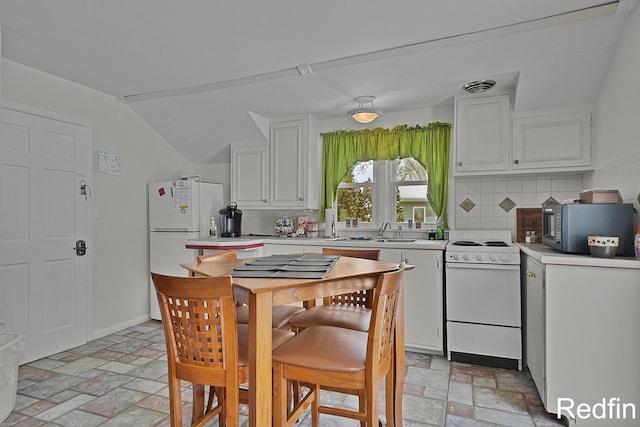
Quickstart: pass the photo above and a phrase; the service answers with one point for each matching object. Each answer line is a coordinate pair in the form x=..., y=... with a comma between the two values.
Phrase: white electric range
x=483, y=304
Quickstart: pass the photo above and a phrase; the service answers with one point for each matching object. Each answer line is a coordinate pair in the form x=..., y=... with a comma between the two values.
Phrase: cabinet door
x=288, y=164
x=534, y=282
x=560, y=140
x=250, y=175
x=285, y=249
x=423, y=300
x=482, y=134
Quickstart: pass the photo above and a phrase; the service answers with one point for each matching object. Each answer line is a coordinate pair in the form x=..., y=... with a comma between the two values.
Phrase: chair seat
x=325, y=348
x=341, y=316
x=281, y=314
x=278, y=337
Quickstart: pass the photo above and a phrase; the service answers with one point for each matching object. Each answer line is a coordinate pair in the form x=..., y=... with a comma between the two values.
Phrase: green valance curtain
x=428, y=145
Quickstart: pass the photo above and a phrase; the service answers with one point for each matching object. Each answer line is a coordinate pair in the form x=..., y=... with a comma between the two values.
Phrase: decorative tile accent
x=550, y=202
x=507, y=204
x=467, y=204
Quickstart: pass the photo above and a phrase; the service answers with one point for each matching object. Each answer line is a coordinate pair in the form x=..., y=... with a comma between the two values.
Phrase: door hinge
x=544, y=284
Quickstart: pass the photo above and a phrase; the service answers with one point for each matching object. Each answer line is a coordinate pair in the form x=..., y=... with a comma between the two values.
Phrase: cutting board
x=528, y=219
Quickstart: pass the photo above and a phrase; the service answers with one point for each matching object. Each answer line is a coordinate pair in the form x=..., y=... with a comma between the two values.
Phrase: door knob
x=80, y=248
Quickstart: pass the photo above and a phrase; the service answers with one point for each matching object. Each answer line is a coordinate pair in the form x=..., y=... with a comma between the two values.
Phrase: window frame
x=383, y=203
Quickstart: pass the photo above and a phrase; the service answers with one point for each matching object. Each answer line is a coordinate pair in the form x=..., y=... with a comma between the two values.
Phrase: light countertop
x=546, y=255
x=246, y=242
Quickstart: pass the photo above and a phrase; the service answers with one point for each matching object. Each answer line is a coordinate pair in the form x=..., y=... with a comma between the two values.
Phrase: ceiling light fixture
x=363, y=113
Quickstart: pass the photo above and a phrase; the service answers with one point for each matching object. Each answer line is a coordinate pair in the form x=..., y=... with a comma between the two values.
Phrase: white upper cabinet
x=285, y=173
x=250, y=175
x=559, y=139
x=490, y=139
x=482, y=130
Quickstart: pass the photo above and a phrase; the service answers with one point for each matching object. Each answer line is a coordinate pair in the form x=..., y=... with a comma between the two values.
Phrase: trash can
x=11, y=350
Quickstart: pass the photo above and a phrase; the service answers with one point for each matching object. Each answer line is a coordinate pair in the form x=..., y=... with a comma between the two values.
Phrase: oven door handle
x=484, y=266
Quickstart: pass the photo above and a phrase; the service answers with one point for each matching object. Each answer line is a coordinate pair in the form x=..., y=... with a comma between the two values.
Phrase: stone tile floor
x=120, y=380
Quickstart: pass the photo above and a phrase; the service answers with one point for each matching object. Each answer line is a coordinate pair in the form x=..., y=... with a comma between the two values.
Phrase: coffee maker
x=230, y=220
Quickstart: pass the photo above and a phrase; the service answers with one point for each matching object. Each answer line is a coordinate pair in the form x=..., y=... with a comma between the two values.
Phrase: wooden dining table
x=347, y=275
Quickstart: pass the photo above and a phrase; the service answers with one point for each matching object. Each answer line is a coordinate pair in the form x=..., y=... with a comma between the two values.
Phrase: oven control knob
x=494, y=258
x=506, y=258
x=479, y=257
x=466, y=257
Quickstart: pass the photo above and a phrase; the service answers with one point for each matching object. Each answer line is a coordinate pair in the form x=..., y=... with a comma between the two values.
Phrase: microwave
x=565, y=228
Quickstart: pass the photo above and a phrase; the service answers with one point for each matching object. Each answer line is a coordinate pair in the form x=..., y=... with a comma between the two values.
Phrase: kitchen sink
x=395, y=240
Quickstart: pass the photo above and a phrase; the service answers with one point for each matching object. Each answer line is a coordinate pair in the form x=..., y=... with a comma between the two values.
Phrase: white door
x=44, y=283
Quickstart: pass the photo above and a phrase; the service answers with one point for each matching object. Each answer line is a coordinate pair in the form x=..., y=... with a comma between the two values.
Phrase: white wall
x=618, y=120
x=259, y=221
x=120, y=245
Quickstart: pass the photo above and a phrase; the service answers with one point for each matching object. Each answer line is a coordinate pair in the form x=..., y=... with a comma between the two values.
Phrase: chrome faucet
x=383, y=228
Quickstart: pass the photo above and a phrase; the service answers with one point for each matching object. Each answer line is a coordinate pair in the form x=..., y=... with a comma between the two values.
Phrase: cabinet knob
x=459, y=163
x=264, y=200
x=531, y=274
x=516, y=161
x=302, y=199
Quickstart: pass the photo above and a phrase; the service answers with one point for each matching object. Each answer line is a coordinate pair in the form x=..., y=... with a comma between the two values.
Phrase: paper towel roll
x=329, y=223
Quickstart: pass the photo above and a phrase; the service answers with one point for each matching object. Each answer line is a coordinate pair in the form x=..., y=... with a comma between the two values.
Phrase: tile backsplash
x=490, y=203
x=257, y=221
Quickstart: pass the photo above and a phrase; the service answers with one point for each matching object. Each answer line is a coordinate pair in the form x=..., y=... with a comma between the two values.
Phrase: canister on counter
x=312, y=229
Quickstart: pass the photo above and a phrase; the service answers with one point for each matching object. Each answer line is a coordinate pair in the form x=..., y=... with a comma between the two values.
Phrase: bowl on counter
x=603, y=246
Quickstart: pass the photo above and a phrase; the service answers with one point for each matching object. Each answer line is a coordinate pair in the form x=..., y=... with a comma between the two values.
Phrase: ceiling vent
x=479, y=86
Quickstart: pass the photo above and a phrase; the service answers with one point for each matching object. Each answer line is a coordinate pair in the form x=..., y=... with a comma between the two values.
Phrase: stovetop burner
x=493, y=243
x=466, y=243
x=496, y=243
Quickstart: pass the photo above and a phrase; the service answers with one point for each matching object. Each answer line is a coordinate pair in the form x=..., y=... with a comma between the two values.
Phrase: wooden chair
x=281, y=314
x=218, y=256
x=346, y=360
x=202, y=341
x=350, y=311
x=205, y=345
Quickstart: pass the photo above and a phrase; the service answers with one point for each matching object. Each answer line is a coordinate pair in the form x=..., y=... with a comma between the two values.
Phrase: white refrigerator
x=178, y=211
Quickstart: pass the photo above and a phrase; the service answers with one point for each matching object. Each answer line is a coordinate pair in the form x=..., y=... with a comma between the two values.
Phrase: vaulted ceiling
x=204, y=72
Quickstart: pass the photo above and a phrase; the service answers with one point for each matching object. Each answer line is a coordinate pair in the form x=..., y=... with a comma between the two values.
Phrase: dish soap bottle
x=440, y=229
x=212, y=228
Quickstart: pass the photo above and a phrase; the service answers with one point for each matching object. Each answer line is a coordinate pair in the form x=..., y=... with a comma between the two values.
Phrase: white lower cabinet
x=241, y=253
x=535, y=343
x=287, y=249
x=582, y=340
x=423, y=299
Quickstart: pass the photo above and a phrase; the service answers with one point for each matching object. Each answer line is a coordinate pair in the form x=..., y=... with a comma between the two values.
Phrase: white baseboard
x=107, y=331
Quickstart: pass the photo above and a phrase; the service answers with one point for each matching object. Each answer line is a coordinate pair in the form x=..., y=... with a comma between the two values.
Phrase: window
x=376, y=191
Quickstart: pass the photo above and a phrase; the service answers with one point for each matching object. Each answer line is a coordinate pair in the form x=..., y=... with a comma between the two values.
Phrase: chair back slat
x=218, y=256
x=383, y=318
x=197, y=330
x=357, y=298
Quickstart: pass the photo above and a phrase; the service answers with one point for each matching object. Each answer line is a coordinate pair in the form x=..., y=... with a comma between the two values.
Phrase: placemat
x=288, y=266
